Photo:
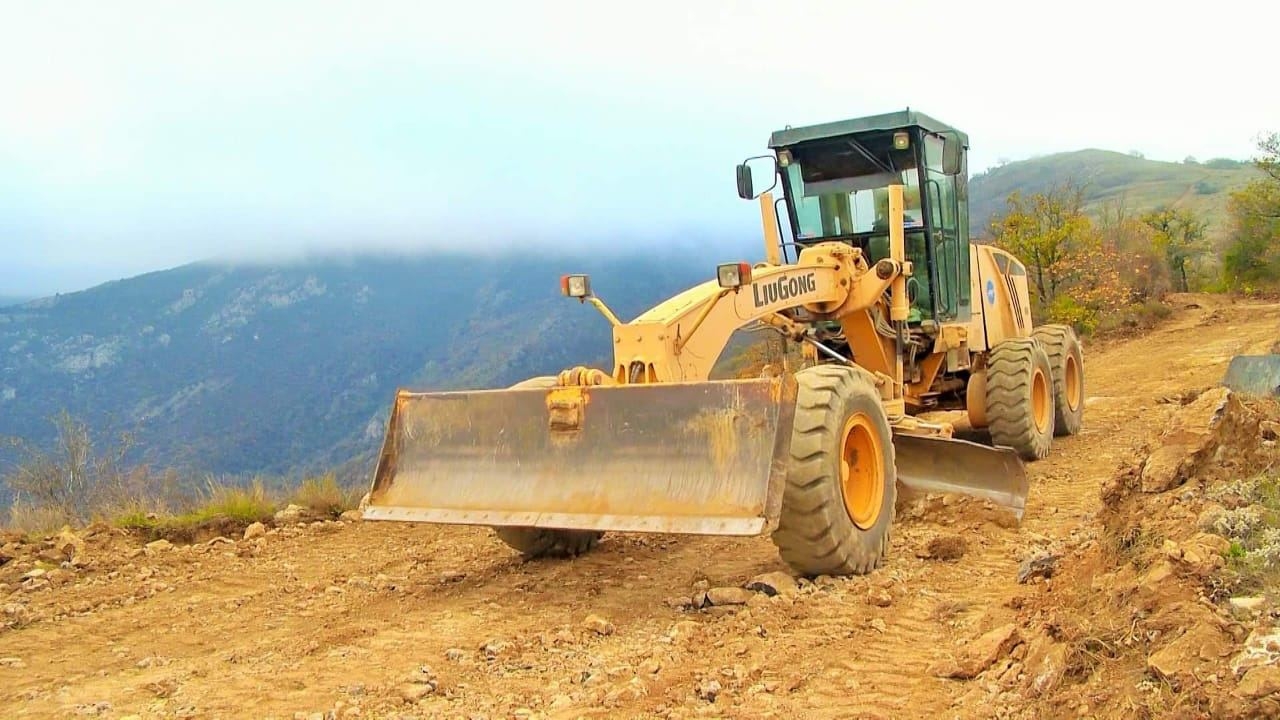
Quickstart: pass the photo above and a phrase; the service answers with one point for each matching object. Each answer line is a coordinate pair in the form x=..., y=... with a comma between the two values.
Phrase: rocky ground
x=1114, y=598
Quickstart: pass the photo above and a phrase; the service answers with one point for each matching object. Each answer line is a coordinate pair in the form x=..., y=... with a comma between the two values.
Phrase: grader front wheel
x=1020, y=410
x=546, y=542
x=837, y=507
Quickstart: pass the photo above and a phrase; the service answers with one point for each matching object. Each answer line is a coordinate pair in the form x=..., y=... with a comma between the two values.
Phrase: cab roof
x=899, y=120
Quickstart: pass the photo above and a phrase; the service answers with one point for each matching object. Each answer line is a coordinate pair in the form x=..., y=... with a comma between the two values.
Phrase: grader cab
x=903, y=316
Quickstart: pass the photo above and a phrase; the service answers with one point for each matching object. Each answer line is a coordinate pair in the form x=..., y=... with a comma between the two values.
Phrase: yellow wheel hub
x=1040, y=401
x=1071, y=379
x=862, y=471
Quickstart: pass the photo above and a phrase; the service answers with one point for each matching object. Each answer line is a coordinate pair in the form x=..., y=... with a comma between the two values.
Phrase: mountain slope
x=1111, y=177
x=242, y=369
x=7, y=300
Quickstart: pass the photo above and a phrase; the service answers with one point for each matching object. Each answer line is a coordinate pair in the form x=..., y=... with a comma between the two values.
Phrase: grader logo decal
x=784, y=288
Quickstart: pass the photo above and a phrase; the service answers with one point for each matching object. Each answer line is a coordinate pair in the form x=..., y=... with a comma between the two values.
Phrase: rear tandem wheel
x=1020, y=412
x=1066, y=360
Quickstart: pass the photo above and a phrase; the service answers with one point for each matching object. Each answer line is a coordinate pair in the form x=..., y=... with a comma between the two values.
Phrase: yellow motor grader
x=901, y=314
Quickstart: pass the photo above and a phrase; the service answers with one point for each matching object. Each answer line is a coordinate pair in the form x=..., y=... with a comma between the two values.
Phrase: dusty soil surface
x=362, y=619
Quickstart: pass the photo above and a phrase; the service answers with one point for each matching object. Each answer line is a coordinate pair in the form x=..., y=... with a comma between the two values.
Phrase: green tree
x=1252, y=256
x=1180, y=238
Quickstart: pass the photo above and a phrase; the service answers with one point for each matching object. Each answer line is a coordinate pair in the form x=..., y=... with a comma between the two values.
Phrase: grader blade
x=1254, y=375
x=675, y=457
x=942, y=465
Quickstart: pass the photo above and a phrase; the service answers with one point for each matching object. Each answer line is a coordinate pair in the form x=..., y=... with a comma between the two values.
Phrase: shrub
x=1068, y=311
x=1135, y=317
x=323, y=495
x=1254, y=555
x=234, y=502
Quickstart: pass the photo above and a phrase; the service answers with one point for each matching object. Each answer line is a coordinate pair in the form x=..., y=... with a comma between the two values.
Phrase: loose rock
x=773, y=583
x=1179, y=660
x=1251, y=604
x=256, y=530
x=983, y=652
x=1259, y=682
x=598, y=625
x=413, y=692
x=879, y=598
x=728, y=596
x=292, y=514
x=1042, y=564
x=67, y=544
x=708, y=690
x=424, y=676
x=157, y=546
x=1045, y=664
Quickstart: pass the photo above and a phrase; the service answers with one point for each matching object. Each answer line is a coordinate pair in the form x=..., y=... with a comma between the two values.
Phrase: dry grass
x=220, y=503
x=1137, y=545
x=37, y=519
x=74, y=483
x=325, y=496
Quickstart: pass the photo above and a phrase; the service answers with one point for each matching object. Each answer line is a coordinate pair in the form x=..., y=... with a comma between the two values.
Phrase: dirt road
x=383, y=620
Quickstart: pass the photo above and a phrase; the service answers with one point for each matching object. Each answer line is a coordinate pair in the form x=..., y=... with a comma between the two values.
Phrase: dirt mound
x=1140, y=615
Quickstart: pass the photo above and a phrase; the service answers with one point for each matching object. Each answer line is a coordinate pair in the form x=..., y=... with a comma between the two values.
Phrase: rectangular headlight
x=733, y=275
x=575, y=286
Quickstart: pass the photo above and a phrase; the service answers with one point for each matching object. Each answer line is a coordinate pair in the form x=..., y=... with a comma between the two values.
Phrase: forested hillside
x=1115, y=178
x=241, y=369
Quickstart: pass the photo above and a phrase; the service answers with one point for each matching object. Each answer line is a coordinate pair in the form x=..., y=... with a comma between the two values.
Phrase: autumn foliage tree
x=1073, y=272
x=1144, y=271
x=1043, y=231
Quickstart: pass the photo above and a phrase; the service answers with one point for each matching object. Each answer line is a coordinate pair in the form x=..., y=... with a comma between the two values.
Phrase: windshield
x=839, y=187
x=849, y=205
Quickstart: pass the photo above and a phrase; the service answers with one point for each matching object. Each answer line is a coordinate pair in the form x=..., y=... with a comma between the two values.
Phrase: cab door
x=948, y=235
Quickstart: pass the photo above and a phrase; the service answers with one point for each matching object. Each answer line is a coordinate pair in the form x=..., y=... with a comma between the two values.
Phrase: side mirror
x=745, y=187
x=952, y=151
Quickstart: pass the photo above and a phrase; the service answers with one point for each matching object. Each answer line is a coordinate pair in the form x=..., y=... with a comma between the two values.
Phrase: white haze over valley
x=136, y=136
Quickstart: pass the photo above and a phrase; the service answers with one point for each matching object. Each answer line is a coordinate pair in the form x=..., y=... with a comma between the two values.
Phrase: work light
x=734, y=275
x=575, y=286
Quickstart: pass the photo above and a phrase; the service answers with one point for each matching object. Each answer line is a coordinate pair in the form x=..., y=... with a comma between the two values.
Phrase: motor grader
x=903, y=318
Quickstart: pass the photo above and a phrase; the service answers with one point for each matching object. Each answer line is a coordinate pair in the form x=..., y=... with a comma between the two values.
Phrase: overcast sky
x=138, y=136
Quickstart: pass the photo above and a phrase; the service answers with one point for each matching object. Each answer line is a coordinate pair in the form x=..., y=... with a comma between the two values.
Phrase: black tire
x=1066, y=358
x=535, y=543
x=547, y=542
x=816, y=533
x=1018, y=373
